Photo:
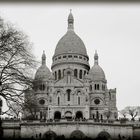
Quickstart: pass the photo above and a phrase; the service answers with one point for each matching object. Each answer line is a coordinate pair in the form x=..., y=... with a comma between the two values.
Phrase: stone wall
x=89, y=129
x=11, y=128
x=28, y=129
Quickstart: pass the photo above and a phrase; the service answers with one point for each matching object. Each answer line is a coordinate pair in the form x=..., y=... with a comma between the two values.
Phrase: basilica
x=71, y=100
x=72, y=89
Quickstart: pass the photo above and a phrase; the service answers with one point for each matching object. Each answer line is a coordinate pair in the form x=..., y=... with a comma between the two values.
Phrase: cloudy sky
x=111, y=29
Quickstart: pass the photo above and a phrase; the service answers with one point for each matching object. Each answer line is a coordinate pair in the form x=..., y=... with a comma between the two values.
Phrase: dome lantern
x=70, y=21
x=43, y=58
x=96, y=58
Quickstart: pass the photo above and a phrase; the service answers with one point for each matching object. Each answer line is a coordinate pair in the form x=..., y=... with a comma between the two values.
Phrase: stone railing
x=16, y=122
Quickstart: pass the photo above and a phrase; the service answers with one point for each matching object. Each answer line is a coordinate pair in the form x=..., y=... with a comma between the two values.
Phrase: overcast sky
x=111, y=29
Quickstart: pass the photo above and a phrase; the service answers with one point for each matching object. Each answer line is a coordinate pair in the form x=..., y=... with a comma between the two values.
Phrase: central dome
x=70, y=51
x=70, y=43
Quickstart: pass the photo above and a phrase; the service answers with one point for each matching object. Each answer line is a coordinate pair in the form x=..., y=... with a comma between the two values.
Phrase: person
x=39, y=135
x=119, y=137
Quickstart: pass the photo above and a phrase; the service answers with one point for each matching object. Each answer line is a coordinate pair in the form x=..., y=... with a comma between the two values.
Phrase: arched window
x=78, y=100
x=68, y=93
x=90, y=87
x=75, y=56
x=59, y=74
x=84, y=72
x=93, y=116
x=69, y=56
x=97, y=86
x=58, y=100
x=41, y=114
x=42, y=102
x=75, y=72
x=42, y=87
x=103, y=87
x=55, y=75
x=80, y=74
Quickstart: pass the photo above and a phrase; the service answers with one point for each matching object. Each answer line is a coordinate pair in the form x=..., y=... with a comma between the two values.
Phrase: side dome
x=70, y=43
x=96, y=73
x=43, y=72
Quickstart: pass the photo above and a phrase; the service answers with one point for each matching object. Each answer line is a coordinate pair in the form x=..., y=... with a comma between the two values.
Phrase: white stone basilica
x=72, y=90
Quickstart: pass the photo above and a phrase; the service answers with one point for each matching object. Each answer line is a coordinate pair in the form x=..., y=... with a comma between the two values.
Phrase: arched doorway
x=103, y=136
x=79, y=115
x=57, y=115
x=77, y=134
x=50, y=135
x=68, y=115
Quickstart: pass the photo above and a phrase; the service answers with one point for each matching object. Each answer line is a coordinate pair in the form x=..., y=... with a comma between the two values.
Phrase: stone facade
x=72, y=90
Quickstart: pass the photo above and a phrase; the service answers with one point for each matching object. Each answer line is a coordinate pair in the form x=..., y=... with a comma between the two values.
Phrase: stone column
x=86, y=115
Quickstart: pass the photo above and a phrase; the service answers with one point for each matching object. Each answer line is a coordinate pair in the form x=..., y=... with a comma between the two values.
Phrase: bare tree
x=16, y=63
x=15, y=110
x=30, y=106
x=131, y=111
x=123, y=113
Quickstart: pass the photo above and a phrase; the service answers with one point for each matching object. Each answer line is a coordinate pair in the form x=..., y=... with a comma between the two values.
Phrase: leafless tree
x=131, y=111
x=123, y=113
x=16, y=63
x=15, y=110
x=30, y=106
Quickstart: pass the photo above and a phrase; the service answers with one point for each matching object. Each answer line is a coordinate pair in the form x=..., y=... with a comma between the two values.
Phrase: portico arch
x=103, y=136
x=68, y=115
x=50, y=135
x=77, y=134
x=79, y=115
x=57, y=115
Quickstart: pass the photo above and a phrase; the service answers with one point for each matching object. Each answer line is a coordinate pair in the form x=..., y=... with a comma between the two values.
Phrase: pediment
x=69, y=80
